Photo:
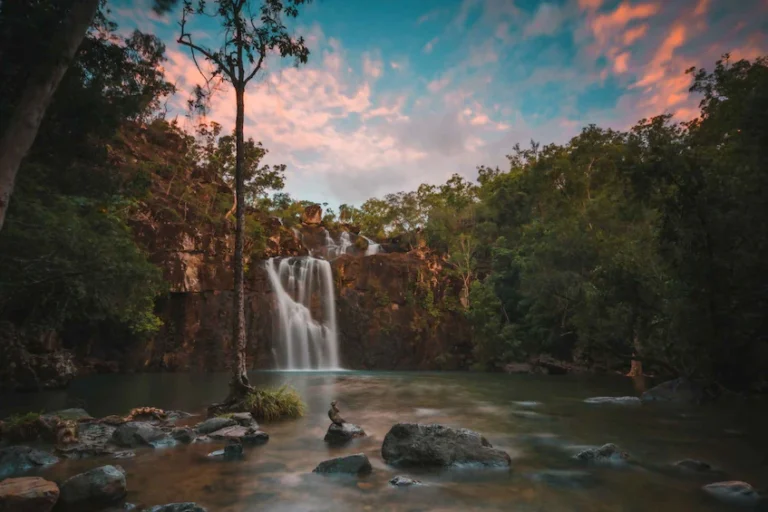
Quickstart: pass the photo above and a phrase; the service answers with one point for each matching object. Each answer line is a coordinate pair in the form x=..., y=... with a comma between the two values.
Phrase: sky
x=402, y=92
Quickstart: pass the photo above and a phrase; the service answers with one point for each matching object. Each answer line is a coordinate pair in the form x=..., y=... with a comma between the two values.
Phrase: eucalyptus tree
x=252, y=31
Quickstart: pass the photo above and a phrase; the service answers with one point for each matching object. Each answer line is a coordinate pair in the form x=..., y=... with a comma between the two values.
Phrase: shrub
x=275, y=404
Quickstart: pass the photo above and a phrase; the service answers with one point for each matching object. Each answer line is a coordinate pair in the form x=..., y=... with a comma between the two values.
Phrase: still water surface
x=541, y=421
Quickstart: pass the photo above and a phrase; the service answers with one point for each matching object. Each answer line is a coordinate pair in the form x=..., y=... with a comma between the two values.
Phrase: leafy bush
x=275, y=404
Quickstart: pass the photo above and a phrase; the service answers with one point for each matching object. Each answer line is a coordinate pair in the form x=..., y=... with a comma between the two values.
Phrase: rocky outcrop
x=33, y=361
x=402, y=481
x=357, y=464
x=312, y=215
x=28, y=494
x=214, y=424
x=412, y=444
x=15, y=460
x=93, y=490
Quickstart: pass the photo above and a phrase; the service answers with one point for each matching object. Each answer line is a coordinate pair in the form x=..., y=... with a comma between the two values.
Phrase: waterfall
x=305, y=319
x=373, y=247
x=335, y=250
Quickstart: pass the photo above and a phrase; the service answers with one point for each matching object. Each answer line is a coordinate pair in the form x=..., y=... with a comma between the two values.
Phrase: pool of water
x=541, y=421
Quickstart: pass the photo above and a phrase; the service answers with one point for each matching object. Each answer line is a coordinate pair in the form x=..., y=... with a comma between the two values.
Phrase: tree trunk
x=25, y=120
x=239, y=386
x=636, y=367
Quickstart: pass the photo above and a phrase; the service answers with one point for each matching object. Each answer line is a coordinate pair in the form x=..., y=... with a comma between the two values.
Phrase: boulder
x=733, y=492
x=608, y=453
x=614, y=400
x=338, y=435
x=28, y=494
x=214, y=424
x=231, y=432
x=183, y=435
x=413, y=444
x=401, y=481
x=93, y=440
x=255, y=438
x=177, y=507
x=357, y=464
x=139, y=433
x=233, y=451
x=15, y=460
x=93, y=490
x=679, y=390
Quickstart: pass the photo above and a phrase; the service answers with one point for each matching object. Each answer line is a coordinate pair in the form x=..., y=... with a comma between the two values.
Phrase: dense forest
x=645, y=246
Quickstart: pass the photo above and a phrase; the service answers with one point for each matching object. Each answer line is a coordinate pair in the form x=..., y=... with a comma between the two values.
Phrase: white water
x=373, y=247
x=337, y=249
x=304, y=342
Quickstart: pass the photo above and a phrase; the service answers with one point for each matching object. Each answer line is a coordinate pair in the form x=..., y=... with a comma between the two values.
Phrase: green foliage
x=275, y=404
x=21, y=427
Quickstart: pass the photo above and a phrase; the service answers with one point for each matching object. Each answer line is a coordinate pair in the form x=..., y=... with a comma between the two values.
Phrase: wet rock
x=413, y=444
x=124, y=454
x=357, y=464
x=608, y=453
x=93, y=440
x=693, y=465
x=75, y=414
x=178, y=507
x=139, y=433
x=93, y=490
x=614, y=400
x=233, y=451
x=342, y=434
x=527, y=403
x=86, y=451
x=213, y=424
x=518, y=368
x=733, y=492
x=184, y=435
x=172, y=416
x=245, y=419
x=28, y=494
x=401, y=481
x=679, y=390
x=256, y=438
x=15, y=460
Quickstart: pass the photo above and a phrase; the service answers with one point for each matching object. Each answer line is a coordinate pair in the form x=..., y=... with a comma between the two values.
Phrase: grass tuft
x=275, y=404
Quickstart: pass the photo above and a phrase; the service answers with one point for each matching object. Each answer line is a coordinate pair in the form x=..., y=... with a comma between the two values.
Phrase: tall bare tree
x=253, y=30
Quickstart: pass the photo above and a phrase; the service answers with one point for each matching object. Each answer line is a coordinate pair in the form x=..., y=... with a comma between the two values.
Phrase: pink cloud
x=620, y=63
x=591, y=5
x=620, y=17
x=438, y=85
x=372, y=67
x=633, y=34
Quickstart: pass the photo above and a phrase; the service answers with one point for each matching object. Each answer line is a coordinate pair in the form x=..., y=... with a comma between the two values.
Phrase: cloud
x=620, y=63
x=372, y=67
x=438, y=84
x=546, y=21
x=635, y=33
x=590, y=5
x=430, y=45
x=431, y=15
x=604, y=24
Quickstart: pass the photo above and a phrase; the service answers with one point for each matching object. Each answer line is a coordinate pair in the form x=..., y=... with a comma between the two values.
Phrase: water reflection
x=540, y=421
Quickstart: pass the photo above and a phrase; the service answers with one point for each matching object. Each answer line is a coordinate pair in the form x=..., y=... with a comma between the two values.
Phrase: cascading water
x=334, y=249
x=305, y=319
x=373, y=247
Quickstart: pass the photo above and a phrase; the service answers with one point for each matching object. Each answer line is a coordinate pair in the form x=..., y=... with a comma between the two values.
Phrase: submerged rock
x=402, y=481
x=213, y=424
x=177, y=507
x=679, y=390
x=255, y=438
x=693, y=465
x=733, y=492
x=140, y=433
x=608, y=453
x=15, y=460
x=614, y=400
x=342, y=434
x=245, y=435
x=28, y=494
x=357, y=464
x=233, y=451
x=413, y=444
x=93, y=490
x=183, y=435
